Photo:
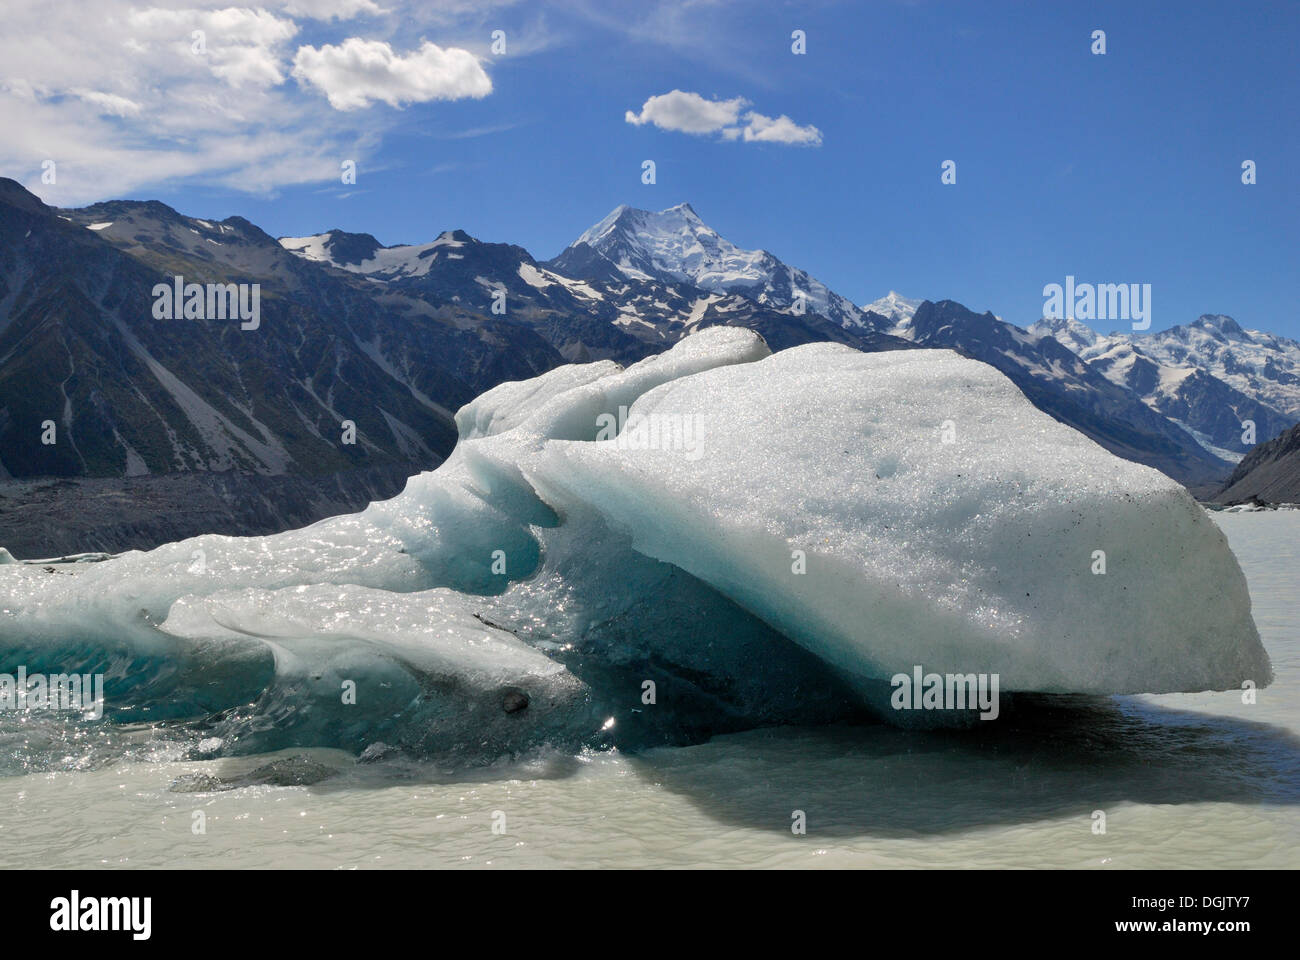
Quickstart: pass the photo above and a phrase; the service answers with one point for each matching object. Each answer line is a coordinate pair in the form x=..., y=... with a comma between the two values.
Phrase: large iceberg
x=711, y=539
x=940, y=519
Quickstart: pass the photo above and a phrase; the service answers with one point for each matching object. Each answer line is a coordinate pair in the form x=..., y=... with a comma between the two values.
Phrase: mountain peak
x=1217, y=321
x=362, y=253
x=1071, y=332
x=625, y=220
x=346, y=248
x=896, y=308
x=674, y=245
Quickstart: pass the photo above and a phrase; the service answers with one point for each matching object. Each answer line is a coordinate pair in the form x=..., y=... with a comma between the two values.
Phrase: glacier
x=843, y=518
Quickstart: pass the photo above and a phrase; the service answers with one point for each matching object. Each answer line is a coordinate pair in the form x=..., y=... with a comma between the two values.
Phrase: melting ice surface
x=767, y=541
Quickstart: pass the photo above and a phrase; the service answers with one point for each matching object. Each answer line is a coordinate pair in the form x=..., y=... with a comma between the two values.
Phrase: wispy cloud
x=707, y=32
x=485, y=131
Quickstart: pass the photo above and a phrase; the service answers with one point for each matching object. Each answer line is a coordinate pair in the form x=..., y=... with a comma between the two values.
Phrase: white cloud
x=247, y=66
x=686, y=112
x=242, y=47
x=116, y=95
x=359, y=71
x=780, y=130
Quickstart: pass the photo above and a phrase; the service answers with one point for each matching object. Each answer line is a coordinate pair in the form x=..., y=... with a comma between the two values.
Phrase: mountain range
x=163, y=428
x=1210, y=377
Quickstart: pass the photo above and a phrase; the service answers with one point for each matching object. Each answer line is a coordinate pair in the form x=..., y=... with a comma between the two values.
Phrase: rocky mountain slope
x=1268, y=474
x=94, y=384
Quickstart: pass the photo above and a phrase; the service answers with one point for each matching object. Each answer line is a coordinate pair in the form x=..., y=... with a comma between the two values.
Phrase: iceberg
x=939, y=519
x=574, y=575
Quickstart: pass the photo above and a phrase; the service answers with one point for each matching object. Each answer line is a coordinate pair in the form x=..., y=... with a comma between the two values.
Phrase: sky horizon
x=529, y=122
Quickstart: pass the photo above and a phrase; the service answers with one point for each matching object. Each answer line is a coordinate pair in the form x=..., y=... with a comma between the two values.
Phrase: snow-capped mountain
x=897, y=309
x=1210, y=377
x=362, y=253
x=1258, y=364
x=676, y=245
x=637, y=283
x=1070, y=333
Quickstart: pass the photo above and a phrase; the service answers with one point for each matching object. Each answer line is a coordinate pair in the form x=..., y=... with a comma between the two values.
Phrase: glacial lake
x=1188, y=780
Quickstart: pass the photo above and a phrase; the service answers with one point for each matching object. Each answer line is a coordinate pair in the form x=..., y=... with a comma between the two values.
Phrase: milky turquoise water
x=1198, y=780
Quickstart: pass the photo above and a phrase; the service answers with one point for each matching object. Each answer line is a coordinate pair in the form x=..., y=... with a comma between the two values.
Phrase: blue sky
x=1119, y=168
